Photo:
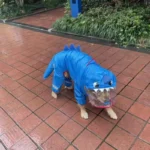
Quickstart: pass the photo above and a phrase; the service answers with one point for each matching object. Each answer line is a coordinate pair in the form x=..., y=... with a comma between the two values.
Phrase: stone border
x=96, y=40
x=30, y=27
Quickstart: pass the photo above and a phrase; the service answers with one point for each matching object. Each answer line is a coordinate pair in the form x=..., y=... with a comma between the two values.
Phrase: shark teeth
x=112, y=88
x=102, y=89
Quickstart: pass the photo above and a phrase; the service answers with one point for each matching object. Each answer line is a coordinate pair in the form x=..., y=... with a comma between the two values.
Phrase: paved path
x=31, y=119
x=45, y=19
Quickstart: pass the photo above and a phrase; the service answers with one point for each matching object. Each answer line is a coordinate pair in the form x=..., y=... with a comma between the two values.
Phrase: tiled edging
x=97, y=40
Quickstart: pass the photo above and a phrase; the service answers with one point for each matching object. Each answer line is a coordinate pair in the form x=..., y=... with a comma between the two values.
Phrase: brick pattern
x=31, y=119
x=45, y=19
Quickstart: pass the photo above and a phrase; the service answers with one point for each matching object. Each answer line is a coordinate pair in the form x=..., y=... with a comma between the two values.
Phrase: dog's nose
x=107, y=100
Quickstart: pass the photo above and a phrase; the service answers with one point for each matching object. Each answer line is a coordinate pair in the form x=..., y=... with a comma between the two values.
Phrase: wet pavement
x=30, y=119
x=45, y=19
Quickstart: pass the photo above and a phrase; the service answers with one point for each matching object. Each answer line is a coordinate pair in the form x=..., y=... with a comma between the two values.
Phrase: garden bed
x=11, y=11
x=124, y=26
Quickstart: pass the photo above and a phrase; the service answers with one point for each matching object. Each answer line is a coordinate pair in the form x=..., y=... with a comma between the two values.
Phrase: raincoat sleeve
x=80, y=97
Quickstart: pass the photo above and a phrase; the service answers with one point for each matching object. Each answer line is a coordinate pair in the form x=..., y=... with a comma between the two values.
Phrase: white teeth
x=102, y=90
x=95, y=90
x=107, y=89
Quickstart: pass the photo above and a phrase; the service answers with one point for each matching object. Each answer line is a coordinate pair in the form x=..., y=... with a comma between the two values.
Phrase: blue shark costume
x=83, y=70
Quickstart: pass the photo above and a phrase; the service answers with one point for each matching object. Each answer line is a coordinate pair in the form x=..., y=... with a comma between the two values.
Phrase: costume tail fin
x=66, y=48
x=72, y=47
x=78, y=48
x=49, y=69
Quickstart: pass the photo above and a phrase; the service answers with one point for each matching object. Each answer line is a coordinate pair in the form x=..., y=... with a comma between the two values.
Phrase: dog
x=91, y=81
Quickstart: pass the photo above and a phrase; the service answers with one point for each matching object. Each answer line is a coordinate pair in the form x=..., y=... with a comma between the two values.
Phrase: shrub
x=9, y=9
x=13, y=8
x=125, y=26
x=53, y=3
x=88, y=4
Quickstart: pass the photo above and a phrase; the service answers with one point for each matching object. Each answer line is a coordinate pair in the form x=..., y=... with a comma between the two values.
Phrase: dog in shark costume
x=71, y=65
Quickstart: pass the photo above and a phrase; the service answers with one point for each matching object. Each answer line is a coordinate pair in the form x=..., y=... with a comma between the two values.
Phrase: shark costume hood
x=83, y=70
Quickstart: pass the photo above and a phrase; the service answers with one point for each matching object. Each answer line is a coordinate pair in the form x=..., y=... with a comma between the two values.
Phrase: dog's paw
x=111, y=113
x=54, y=95
x=113, y=116
x=84, y=115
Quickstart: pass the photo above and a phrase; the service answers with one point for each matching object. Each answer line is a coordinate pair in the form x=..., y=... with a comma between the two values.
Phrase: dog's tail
x=51, y=66
x=49, y=69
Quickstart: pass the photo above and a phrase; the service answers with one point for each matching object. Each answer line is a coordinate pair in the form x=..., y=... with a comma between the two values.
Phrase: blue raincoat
x=83, y=70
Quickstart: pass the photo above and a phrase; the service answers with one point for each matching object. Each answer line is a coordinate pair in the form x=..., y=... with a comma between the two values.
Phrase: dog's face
x=100, y=88
x=102, y=96
x=99, y=98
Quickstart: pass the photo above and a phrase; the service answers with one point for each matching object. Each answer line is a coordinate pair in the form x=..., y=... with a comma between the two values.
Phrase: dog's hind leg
x=56, y=85
x=54, y=95
x=68, y=83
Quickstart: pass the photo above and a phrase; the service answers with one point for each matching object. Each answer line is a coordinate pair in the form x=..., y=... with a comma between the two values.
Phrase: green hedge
x=86, y=4
x=10, y=9
x=53, y=3
x=125, y=25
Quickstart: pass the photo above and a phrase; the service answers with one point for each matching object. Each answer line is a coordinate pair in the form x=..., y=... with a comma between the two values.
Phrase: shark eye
x=110, y=82
x=96, y=85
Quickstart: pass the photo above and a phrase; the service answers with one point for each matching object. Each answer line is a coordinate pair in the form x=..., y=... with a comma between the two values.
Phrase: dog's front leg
x=111, y=113
x=83, y=111
x=81, y=100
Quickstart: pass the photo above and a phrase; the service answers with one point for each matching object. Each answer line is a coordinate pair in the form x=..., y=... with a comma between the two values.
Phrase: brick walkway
x=45, y=19
x=31, y=119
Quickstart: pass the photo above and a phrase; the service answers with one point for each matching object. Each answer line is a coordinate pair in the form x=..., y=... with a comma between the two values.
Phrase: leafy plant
x=2, y=3
x=13, y=8
x=125, y=26
x=9, y=10
x=53, y=3
x=88, y=4
x=19, y=3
